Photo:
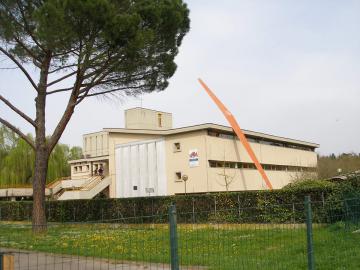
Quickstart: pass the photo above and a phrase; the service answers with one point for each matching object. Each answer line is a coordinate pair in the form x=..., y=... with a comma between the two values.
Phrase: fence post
x=294, y=213
x=215, y=204
x=239, y=207
x=193, y=210
x=173, y=238
x=347, y=215
x=309, y=234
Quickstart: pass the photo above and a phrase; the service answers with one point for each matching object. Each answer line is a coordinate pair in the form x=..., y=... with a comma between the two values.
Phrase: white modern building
x=150, y=158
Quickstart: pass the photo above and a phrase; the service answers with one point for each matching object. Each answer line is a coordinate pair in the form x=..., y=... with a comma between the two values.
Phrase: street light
x=185, y=178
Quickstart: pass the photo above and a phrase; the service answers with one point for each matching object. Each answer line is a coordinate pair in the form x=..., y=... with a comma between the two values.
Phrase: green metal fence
x=326, y=238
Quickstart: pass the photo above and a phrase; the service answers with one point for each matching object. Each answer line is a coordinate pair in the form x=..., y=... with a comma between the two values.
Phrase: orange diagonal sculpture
x=231, y=119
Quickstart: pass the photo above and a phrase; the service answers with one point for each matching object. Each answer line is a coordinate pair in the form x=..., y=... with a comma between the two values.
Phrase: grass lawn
x=216, y=247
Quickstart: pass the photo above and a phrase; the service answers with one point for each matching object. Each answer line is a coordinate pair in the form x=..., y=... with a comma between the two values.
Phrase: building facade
x=150, y=158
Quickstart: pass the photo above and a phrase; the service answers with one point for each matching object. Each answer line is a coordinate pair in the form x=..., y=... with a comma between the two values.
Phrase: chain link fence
x=233, y=238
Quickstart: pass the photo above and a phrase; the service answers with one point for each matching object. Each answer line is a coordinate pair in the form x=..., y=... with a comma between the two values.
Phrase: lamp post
x=185, y=178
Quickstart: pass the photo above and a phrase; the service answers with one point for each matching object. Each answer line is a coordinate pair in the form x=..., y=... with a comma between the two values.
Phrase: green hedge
x=285, y=205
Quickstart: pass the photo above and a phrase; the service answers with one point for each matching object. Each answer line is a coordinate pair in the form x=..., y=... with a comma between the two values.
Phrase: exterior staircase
x=64, y=189
x=88, y=190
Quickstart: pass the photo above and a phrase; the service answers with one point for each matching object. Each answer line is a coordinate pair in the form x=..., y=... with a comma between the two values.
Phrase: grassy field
x=216, y=247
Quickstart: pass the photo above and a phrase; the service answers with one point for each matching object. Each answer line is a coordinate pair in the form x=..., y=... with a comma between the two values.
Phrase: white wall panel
x=134, y=170
x=152, y=165
x=126, y=170
x=143, y=170
x=161, y=168
x=140, y=164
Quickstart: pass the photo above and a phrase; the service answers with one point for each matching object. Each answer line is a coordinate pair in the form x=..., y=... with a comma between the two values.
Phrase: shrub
x=277, y=206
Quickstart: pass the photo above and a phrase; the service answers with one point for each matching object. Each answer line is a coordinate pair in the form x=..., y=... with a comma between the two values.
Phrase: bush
x=310, y=184
x=278, y=206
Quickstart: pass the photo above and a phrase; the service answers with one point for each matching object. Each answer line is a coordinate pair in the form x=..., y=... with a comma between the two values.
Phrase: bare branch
x=61, y=68
x=9, y=68
x=62, y=78
x=20, y=66
x=60, y=90
x=18, y=132
x=23, y=115
x=109, y=91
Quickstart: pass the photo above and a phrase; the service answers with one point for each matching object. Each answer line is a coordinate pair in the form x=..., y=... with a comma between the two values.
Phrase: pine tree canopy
x=108, y=45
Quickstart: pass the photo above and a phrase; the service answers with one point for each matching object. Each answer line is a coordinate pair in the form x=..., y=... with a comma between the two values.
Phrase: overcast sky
x=288, y=68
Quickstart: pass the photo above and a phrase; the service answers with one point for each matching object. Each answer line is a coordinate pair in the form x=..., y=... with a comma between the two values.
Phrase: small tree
x=86, y=48
x=225, y=176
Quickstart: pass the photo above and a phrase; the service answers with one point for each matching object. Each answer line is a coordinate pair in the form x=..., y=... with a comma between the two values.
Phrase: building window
x=264, y=141
x=177, y=147
x=160, y=120
x=178, y=176
x=267, y=167
x=75, y=169
x=134, y=187
x=87, y=167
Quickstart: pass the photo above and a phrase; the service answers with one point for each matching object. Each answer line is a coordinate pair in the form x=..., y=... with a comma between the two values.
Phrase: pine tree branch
x=60, y=90
x=26, y=26
x=22, y=44
x=62, y=78
x=20, y=66
x=19, y=112
x=114, y=90
x=18, y=132
x=81, y=68
x=61, y=68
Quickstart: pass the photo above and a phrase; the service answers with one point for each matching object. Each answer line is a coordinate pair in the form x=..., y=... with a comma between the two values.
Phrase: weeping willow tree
x=18, y=166
x=17, y=160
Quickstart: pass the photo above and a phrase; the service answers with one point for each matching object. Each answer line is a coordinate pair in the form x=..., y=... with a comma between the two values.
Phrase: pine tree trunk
x=41, y=164
x=42, y=154
x=39, y=183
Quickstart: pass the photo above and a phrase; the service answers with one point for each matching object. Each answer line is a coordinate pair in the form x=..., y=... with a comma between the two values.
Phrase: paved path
x=28, y=260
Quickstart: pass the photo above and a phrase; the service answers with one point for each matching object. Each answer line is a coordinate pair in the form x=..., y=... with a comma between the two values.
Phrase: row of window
x=81, y=168
x=260, y=140
x=269, y=167
x=86, y=168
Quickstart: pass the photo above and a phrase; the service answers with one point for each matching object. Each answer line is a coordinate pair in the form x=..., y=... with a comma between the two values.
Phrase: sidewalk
x=29, y=260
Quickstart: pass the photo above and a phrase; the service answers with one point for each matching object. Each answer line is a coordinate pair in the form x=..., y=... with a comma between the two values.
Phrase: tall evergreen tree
x=93, y=47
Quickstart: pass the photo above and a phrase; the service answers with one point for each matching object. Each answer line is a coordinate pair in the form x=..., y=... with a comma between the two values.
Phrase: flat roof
x=205, y=127
x=147, y=109
x=100, y=158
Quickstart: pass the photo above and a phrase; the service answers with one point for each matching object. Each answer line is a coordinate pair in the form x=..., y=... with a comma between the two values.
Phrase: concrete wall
x=140, y=118
x=202, y=178
x=206, y=179
x=267, y=154
x=250, y=179
x=178, y=161
x=80, y=170
x=96, y=144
